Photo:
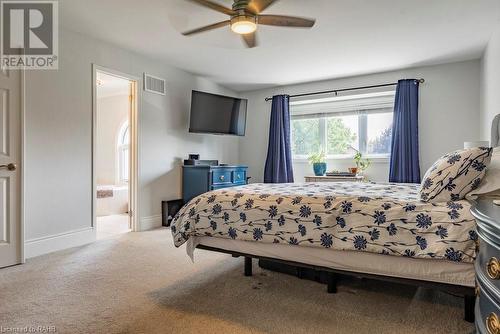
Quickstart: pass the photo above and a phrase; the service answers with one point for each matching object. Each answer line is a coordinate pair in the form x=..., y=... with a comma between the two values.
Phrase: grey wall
x=58, y=135
x=490, y=84
x=58, y=129
x=449, y=115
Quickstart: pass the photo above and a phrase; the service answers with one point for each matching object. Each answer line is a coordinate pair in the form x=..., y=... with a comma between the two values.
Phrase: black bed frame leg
x=248, y=266
x=469, y=303
x=332, y=283
x=300, y=273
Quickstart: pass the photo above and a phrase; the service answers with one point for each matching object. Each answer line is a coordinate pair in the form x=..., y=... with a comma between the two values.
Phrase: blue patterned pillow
x=455, y=174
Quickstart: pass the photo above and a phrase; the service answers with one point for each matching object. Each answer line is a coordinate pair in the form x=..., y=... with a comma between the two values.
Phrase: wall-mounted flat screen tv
x=217, y=114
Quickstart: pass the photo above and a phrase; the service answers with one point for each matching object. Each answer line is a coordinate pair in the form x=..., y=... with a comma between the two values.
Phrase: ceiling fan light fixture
x=245, y=16
x=243, y=25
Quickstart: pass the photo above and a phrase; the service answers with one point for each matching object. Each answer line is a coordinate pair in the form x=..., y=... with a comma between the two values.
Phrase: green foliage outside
x=305, y=135
x=306, y=138
x=340, y=138
x=381, y=144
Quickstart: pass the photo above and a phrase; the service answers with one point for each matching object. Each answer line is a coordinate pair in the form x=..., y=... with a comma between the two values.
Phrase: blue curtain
x=279, y=153
x=405, y=165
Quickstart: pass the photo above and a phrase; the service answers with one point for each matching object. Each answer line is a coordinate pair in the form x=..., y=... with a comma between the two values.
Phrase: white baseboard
x=150, y=223
x=57, y=242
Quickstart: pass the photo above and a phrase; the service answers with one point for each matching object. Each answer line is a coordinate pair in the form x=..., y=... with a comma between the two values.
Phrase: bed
x=381, y=231
x=385, y=219
x=383, y=228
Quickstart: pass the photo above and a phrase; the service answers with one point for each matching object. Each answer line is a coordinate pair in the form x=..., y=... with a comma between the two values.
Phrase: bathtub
x=111, y=200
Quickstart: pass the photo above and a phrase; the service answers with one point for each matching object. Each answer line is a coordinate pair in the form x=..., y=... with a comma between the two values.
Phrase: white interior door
x=10, y=176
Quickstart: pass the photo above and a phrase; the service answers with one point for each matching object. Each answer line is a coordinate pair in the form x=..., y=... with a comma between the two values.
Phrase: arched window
x=123, y=149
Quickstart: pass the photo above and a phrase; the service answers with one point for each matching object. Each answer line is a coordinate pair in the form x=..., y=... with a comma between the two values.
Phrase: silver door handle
x=10, y=167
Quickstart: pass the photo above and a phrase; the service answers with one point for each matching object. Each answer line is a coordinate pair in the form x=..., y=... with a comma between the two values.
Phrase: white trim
x=388, y=93
x=373, y=159
x=61, y=241
x=150, y=223
x=22, y=165
x=356, y=105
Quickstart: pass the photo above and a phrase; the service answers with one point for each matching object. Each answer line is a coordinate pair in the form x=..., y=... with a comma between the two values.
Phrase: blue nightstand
x=197, y=180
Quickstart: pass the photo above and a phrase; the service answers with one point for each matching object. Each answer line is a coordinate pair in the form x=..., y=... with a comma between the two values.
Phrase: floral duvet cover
x=370, y=217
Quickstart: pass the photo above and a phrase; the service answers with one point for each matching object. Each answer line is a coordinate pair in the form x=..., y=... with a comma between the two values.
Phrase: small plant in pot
x=318, y=160
x=361, y=164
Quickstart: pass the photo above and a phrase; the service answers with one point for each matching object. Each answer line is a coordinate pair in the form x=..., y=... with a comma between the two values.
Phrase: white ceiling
x=350, y=37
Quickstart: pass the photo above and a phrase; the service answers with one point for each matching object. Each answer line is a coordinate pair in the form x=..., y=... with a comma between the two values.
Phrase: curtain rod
x=346, y=89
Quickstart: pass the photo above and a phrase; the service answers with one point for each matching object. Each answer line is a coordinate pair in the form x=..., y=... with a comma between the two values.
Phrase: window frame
x=381, y=100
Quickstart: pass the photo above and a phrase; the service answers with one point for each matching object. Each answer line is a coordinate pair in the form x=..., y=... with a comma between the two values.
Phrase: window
x=379, y=133
x=123, y=149
x=336, y=125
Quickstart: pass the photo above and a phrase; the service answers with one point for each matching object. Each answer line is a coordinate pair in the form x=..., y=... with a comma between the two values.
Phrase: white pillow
x=455, y=174
x=491, y=182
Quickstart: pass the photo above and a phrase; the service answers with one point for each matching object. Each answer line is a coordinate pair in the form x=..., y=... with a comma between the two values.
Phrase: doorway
x=114, y=153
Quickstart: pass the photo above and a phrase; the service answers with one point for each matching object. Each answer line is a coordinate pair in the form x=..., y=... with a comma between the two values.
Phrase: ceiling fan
x=245, y=16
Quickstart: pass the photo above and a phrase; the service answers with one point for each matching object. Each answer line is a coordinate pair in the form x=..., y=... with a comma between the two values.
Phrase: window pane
x=342, y=133
x=125, y=163
x=305, y=136
x=126, y=136
x=379, y=133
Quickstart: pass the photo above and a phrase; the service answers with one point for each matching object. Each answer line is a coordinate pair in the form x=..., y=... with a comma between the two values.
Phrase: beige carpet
x=139, y=283
x=110, y=226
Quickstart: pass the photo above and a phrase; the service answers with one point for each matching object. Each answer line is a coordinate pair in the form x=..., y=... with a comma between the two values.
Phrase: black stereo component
x=192, y=162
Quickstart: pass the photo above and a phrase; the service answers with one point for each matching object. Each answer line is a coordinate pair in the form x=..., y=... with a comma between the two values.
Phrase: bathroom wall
x=112, y=112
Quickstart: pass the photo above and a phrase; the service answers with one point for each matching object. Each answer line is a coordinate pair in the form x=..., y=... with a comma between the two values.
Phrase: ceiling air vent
x=154, y=84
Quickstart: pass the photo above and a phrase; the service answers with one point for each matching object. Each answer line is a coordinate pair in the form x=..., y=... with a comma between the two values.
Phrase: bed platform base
x=332, y=275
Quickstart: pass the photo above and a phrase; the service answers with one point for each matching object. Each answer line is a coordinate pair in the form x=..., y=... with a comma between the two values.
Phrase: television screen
x=217, y=114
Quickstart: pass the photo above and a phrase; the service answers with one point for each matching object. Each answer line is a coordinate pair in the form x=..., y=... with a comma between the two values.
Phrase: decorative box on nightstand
x=487, y=313
x=357, y=178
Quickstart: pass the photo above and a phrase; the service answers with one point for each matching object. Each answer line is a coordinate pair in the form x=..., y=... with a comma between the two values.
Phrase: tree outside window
x=369, y=131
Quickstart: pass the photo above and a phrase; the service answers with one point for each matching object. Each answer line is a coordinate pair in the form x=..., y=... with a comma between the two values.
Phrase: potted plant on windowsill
x=361, y=164
x=318, y=160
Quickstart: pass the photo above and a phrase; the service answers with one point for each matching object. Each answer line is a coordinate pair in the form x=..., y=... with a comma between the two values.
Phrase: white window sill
x=373, y=159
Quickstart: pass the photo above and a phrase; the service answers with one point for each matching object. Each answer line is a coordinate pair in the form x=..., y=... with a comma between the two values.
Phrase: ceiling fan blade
x=285, y=21
x=257, y=6
x=250, y=39
x=206, y=28
x=214, y=6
